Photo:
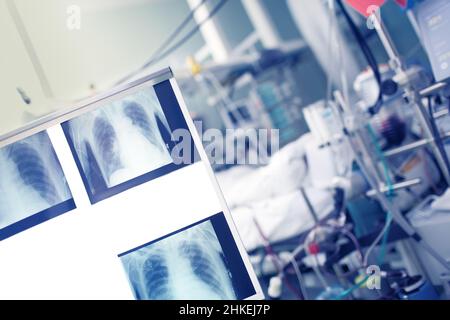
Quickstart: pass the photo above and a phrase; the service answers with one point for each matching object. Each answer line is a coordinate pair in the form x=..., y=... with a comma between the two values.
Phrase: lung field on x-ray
x=31, y=179
x=121, y=141
x=105, y=140
x=188, y=265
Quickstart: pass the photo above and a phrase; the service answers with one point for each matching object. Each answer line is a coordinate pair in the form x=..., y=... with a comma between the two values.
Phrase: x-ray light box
x=115, y=199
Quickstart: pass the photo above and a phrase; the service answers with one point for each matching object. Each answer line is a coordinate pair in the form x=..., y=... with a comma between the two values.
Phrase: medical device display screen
x=118, y=202
x=434, y=20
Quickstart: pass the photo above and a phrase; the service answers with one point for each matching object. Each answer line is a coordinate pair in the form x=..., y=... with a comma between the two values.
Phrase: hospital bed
x=267, y=203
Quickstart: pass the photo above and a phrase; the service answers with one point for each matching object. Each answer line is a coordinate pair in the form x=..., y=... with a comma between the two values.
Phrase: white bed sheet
x=271, y=196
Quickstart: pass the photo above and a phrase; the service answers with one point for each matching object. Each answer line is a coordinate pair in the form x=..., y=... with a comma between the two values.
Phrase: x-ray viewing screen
x=194, y=263
x=143, y=215
x=33, y=188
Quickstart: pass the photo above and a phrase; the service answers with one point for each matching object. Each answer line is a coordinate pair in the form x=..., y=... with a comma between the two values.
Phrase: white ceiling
x=115, y=38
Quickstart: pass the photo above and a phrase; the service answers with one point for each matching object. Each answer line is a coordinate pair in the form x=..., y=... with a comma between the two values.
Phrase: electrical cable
x=177, y=45
x=337, y=146
x=331, y=21
x=316, y=268
x=156, y=58
x=299, y=275
x=178, y=30
x=378, y=239
x=191, y=33
x=382, y=158
x=318, y=273
x=358, y=249
x=351, y=289
x=328, y=225
x=368, y=55
x=355, y=241
x=382, y=254
x=385, y=231
x=276, y=260
x=316, y=264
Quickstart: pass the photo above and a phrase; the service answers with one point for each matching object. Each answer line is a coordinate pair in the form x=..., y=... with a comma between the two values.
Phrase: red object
x=313, y=248
x=365, y=7
x=402, y=3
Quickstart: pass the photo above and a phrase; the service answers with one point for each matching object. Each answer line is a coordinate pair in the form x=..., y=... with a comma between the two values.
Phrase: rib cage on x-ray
x=187, y=265
x=31, y=179
x=121, y=140
x=105, y=139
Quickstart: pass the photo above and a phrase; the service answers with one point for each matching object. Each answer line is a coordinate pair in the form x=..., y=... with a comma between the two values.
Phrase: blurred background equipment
x=354, y=183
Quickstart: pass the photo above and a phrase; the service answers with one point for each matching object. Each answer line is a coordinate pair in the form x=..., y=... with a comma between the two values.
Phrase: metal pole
x=211, y=32
x=395, y=186
x=426, y=126
x=413, y=145
x=411, y=95
x=388, y=205
x=309, y=206
x=366, y=154
x=262, y=22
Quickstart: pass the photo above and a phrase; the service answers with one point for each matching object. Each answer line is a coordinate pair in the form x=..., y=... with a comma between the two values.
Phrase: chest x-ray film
x=433, y=17
x=197, y=262
x=123, y=143
x=136, y=211
x=33, y=188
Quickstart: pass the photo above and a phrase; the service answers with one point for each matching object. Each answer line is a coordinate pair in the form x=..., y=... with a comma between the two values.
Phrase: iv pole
x=411, y=95
x=364, y=159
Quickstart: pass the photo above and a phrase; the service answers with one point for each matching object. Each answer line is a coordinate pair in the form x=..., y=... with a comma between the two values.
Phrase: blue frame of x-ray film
x=37, y=218
x=175, y=119
x=242, y=284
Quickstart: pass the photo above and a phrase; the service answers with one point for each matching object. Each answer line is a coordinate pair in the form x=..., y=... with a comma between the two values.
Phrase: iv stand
x=411, y=95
